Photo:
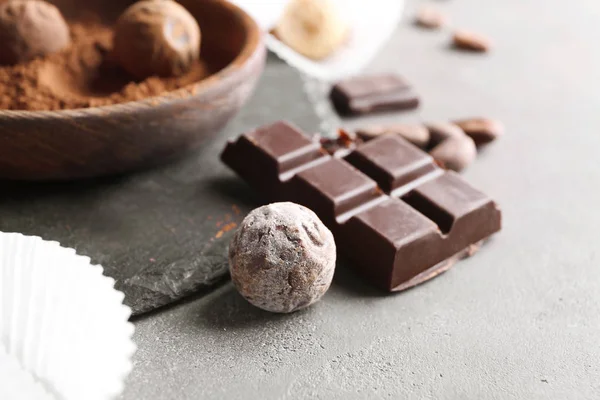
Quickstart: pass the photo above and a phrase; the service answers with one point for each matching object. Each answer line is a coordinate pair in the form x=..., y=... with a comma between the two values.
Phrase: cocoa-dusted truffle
x=156, y=37
x=282, y=257
x=29, y=29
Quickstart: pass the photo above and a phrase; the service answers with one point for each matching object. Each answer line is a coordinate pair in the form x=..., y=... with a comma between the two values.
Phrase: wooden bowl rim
x=250, y=47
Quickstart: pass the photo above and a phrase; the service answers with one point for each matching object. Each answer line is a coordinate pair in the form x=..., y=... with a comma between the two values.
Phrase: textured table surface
x=519, y=320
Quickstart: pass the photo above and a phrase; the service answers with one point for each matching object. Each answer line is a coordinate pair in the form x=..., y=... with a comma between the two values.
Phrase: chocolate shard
x=398, y=217
x=374, y=93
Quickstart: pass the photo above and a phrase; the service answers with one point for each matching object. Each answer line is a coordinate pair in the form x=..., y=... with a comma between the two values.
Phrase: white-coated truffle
x=282, y=257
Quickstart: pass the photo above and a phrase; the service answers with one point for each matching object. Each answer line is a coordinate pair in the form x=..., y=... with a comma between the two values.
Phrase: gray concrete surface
x=520, y=320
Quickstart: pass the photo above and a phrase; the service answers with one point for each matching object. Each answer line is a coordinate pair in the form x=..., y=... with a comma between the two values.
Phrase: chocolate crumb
x=341, y=145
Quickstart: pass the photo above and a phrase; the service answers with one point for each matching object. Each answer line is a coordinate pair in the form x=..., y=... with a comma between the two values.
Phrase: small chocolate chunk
x=481, y=130
x=341, y=145
x=30, y=29
x=156, y=38
x=282, y=258
x=368, y=94
x=455, y=152
x=471, y=41
x=430, y=18
x=417, y=134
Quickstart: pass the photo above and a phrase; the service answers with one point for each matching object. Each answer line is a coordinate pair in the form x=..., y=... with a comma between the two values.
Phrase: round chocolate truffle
x=156, y=37
x=282, y=257
x=29, y=29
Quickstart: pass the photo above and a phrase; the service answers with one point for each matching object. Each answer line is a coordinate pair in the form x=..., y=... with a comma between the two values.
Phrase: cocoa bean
x=471, y=41
x=481, y=130
x=455, y=153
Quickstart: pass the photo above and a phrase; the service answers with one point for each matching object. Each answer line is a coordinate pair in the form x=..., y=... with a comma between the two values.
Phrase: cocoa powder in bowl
x=83, y=75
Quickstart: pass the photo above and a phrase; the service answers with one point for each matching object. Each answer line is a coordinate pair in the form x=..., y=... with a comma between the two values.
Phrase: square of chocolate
x=391, y=243
x=395, y=164
x=334, y=189
x=285, y=145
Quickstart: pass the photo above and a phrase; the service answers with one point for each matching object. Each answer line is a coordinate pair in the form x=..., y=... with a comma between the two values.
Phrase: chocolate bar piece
x=394, y=213
x=368, y=94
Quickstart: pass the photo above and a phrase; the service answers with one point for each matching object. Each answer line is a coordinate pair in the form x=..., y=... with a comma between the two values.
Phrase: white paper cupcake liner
x=63, y=327
x=17, y=383
x=371, y=25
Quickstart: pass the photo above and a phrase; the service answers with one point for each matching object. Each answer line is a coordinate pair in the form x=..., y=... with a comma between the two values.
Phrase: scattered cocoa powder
x=82, y=76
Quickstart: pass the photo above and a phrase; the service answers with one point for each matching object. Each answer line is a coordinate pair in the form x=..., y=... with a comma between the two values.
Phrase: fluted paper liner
x=64, y=331
x=371, y=24
x=16, y=383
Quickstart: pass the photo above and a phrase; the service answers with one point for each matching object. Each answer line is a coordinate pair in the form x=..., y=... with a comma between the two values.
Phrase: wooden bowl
x=70, y=144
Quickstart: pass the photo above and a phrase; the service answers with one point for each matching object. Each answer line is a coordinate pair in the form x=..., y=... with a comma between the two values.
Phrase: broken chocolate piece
x=368, y=94
x=398, y=217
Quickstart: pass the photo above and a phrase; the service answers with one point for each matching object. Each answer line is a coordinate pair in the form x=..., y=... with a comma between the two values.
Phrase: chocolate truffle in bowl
x=156, y=37
x=30, y=29
x=282, y=257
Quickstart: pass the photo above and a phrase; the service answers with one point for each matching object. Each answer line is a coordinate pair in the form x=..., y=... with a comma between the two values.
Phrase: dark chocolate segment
x=457, y=208
x=335, y=188
x=269, y=156
x=390, y=243
x=296, y=150
x=366, y=94
x=395, y=164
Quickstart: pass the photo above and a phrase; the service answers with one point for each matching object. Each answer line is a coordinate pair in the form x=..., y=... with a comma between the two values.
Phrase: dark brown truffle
x=156, y=37
x=282, y=257
x=30, y=29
